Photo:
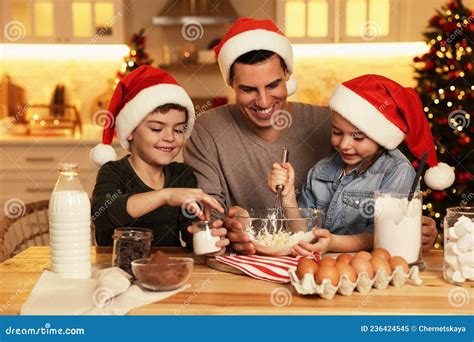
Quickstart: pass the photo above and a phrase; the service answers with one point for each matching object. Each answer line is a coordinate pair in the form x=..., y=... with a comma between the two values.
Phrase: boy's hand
x=218, y=230
x=282, y=174
x=322, y=245
x=193, y=202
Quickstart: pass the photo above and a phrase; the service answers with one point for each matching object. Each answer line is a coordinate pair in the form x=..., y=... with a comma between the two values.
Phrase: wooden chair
x=30, y=228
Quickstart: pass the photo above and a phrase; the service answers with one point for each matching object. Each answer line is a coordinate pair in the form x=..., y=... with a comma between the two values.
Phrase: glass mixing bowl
x=275, y=233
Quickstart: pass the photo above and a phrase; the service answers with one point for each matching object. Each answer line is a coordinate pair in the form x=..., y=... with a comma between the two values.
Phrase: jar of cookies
x=130, y=244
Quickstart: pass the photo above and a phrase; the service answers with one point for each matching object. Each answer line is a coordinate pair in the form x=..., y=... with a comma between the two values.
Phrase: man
x=233, y=147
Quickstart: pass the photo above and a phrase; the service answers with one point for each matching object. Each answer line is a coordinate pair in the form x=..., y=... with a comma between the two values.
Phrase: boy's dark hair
x=168, y=106
x=254, y=57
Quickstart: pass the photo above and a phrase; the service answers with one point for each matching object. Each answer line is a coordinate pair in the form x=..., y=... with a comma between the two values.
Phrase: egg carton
x=363, y=284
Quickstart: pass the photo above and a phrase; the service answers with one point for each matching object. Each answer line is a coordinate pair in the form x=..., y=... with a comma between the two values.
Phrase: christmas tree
x=445, y=84
x=137, y=55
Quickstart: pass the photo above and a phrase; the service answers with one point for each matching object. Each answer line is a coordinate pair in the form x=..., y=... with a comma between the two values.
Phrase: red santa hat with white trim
x=249, y=34
x=389, y=113
x=136, y=96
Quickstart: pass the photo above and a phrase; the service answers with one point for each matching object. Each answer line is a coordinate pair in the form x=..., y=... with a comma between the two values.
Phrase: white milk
x=70, y=209
x=398, y=226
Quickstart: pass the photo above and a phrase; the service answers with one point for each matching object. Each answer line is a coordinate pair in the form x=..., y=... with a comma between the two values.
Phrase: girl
x=371, y=116
x=153, y=116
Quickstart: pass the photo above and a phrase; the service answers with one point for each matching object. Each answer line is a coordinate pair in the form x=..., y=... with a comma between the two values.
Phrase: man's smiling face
x=260, y=90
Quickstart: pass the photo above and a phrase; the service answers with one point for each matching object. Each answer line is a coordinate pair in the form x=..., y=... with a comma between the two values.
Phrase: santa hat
x=136, y=96
x=248, y=35
x=389, y=113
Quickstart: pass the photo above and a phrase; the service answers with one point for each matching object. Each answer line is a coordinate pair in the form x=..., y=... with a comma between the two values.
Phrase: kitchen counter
x=91, y=136
x=217, y=293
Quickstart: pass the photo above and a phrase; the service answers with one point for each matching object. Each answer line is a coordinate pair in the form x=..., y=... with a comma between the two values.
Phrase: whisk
x=280, y=187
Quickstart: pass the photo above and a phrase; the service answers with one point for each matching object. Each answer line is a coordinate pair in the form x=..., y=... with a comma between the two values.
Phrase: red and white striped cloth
x=273, y=269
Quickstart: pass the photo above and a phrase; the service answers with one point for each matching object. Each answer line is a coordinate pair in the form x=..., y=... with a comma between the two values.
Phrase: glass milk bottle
x=70, y=225
x=458, y=264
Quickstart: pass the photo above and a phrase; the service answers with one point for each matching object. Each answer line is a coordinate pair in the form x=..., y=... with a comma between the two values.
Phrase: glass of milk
x=203, y=241
x=398, y=225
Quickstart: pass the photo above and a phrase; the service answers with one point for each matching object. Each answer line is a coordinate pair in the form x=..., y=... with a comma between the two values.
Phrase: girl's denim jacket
x=348, y=201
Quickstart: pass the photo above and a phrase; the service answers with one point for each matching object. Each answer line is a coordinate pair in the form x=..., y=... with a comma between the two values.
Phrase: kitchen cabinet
x=63, y=21
x=28, y=169
x=338, y=21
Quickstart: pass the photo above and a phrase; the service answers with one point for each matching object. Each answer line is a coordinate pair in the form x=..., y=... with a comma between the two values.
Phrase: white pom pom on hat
x=249, y=34
x=439, y=177
x=389, y=113
x=135, y=96
x=102, y=154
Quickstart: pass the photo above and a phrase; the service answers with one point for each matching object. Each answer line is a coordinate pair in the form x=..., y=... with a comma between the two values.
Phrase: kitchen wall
x=317, y=76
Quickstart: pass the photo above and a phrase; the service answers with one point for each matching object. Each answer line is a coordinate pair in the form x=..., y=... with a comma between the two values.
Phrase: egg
x=327, y=261
x=379, y=263
x=363, y=254
x=346, y=258
x=361, y=265
x=399, y=261
x=327, y=272
x=381, y=253
x=346, y=269
x=306, y=265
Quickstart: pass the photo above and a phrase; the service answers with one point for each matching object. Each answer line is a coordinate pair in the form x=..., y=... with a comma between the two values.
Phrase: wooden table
x=217, y=293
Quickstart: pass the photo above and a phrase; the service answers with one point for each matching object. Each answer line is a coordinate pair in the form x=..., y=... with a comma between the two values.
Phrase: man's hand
x=240, y=241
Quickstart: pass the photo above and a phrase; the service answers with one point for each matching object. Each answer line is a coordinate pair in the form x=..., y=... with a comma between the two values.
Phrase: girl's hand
x=322, y=245
x=193, y=202
x=218, y=230
x=282, y=174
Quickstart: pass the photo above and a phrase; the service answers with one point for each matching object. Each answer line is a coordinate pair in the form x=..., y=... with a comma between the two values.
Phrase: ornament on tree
x=464, y=140
x=438, y=195
x=463, y=177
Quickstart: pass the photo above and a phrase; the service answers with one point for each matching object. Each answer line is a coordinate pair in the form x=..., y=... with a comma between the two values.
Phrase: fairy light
x=449, y=104
x=452, y=88
x=436, y=101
